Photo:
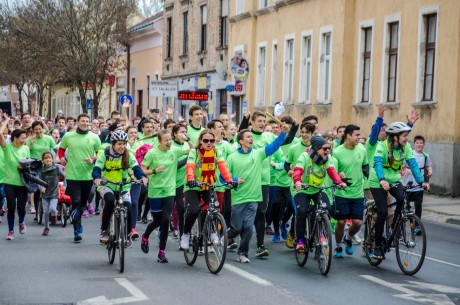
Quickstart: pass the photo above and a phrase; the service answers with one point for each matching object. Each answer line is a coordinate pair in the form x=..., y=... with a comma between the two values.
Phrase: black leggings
x=193, y=199
x=161, y=219
x=79, y=193
x=380, y=197
x=302, y=202
x=180, y=206
x=281, y=201
x=417, y=198
x=227, y=210
x=109, y=205
x=16, y=197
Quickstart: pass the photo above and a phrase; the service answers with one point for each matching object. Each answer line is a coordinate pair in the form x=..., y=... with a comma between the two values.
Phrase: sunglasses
x=208, y=140
x=326, y=148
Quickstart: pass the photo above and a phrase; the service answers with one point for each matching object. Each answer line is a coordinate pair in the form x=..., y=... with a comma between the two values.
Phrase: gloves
x=234, y=185
x=192, y=184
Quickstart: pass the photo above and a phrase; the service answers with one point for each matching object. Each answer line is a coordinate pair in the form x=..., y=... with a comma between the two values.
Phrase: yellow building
x=338, y=59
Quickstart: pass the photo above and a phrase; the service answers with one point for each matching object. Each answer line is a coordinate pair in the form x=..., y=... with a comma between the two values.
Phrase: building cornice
x=187, y=74
x=242, y=16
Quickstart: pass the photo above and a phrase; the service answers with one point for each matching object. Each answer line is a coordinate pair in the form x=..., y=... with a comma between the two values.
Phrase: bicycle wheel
x=215, y=242
x=191, y=253
x=111, y=243
x=64, y=214
x=411, y=245
x=324, y=244
x=121, y=240
x=369, y=241
x=301, y=256
x=40, y=212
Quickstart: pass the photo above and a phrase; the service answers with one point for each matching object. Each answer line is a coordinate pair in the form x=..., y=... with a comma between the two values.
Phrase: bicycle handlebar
x=320, y=188
x=214, y=186
x=123, y=182
x=410, y=186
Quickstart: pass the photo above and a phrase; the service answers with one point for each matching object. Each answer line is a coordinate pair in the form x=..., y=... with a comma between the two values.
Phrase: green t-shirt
x=282, y=178
x=2, y=165
x=328, y=181
x=313, y=173
x=370, y=149
x=350, y=162
x=260, y=141
x=293, y=155
x=80, y=147
x=162, y=184
x=194, y=134
x=44, y=144
x=151, y=141
x=391, y=174
x=12, y=157
x=194, y=159
x=225, y=149
x=180, y=177
x=115, y=175
x=247, y=167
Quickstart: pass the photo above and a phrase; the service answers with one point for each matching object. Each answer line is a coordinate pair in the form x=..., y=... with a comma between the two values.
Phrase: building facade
x=195, y=52
x=339, y=59
x=142, y=65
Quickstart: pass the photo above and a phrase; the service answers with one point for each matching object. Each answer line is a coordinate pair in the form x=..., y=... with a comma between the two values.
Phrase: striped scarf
x=208, y=167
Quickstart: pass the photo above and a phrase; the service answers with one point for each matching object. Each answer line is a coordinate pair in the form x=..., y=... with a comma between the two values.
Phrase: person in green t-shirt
x=147, y=136
x=389, y=158
x=114, y=165
x=82, y=146
x=352, y=164
x=160, y=165
x=203, y=164
x=196, y=119
x=246, y=164
x=39, y=143
x=312, y=168
x=180, y=141
x=15, y=191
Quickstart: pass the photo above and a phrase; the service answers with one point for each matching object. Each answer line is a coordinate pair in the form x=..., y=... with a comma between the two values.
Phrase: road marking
x=433, y=259
x=136, y=295
x=247, y=275
x=412, y=295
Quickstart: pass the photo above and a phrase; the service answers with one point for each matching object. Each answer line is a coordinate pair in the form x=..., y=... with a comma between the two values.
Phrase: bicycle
x=118, y=231
x=211, y=232
x=319, y=238
x=405, y=234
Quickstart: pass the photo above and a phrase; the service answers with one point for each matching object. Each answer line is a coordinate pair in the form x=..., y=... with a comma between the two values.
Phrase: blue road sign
x=89, y=104
x=126, y=100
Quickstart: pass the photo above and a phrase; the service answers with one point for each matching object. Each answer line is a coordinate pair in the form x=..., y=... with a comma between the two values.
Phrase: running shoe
x=77, y=234
x=97, y=212
x=349, y=245
x=242, y=259
x=356, y=239
x=290, y=241
x=261, y=251
x=338, y=253
x=300, y=245
x=232, y=245
x=104, y=237
x=90, y=209
x=85, y=213
x=175, y=234
x=32, y=210
x=417, y=231
x=284, y=232
x=134, y=234
x=10, y=235
x=144, y=244
x=269, y=231
x=276, y=238
x=22, y=228
x=185, y=241
x=162, y=257
x=378, y=253
x=128, y=242
x=45, y=231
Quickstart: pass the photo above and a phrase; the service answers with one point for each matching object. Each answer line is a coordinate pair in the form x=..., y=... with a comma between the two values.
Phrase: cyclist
x=113, y=165
x=388, y=160
x=15, y=191
x=82, y=146
x=160, y=164
x=311, y=168
x=202, y=165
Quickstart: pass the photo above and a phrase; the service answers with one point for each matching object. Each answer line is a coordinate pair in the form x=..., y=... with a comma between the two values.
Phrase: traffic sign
x=126, y=100
x=89, y=104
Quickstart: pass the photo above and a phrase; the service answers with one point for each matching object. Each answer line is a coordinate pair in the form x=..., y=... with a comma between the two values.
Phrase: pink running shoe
x=90, y=209
x=22, y=228
x=85, y=213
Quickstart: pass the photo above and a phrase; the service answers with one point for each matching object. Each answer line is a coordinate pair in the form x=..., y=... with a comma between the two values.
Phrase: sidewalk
x=441, y=209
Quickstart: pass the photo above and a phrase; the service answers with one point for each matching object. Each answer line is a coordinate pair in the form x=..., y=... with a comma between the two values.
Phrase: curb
x=442, y=217
x=453, y=220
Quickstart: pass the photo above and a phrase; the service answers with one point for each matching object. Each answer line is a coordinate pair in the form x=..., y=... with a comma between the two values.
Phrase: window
x=169, y=37
x=274, y=73
x=365, y=83
x=393, y=30
x=239, y=6
x=305, y=70
x=261, y=76
x=289, y=71
x=204, y=21
x=430, y=53
x=224, y=24
x=325, y=63
x=263, y=4
x=185, y=33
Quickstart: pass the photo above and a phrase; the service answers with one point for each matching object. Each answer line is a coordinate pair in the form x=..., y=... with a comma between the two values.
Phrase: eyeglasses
x=208, y=140
x=326, y=148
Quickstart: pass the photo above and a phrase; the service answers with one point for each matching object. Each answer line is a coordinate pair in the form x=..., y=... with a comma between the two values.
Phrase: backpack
x=141, y=152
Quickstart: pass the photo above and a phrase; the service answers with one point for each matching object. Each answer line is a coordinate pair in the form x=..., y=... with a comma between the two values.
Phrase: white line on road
x=137, y=295
x=433, y=259
x=247, y=275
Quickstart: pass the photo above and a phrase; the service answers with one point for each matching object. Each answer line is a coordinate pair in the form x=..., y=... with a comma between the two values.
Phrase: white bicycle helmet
x=119, y=135
x=397, y=128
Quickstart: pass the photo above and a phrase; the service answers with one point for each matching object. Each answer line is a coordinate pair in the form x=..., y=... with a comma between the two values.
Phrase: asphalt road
x=54, y=270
